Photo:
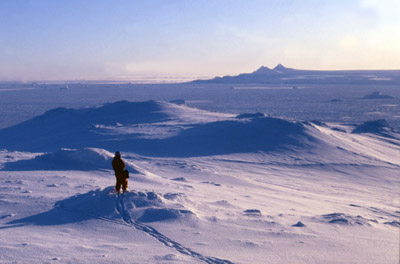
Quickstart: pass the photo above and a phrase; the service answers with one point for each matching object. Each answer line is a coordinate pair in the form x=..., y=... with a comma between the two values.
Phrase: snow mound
x=97, y=204
x=345, y=219
x=152, y=207
x=79, y=158
x=76, y=128
x=236, y=136
x=122, y=112
x=69, y=159
x=252, y=212
x=393, y=223
x=380, y=126
x=377, y=95
x=96, y=126
x=222, y=137
x=140, y=206
x=105, y=204
x=299, y=224
x=180, y=179
x=175, y=196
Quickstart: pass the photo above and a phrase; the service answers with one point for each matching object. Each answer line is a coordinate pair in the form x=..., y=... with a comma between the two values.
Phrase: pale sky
x=123, y=39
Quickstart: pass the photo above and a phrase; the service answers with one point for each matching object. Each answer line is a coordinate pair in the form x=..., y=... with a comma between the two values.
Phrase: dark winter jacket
x=118, y=165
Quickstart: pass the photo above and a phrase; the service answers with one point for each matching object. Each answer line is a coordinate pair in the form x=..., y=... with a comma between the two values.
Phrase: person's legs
x=125, y=184
x=118, y=184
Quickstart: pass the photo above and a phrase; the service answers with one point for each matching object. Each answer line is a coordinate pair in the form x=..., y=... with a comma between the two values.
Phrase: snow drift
x=199, y=133
x=233, y=136
x=380, y=127
x=69, y=159
x=143, y=207
x=67, y=128
x=155, y=129
x=89, y=127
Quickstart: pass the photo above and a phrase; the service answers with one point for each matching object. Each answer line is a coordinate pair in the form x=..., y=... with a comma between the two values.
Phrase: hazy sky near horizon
x=122, y=39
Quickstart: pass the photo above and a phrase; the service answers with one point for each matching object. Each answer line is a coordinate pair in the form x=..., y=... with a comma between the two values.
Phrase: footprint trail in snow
x=120, y=206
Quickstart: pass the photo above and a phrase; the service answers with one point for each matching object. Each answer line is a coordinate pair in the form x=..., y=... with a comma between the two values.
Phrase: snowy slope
x=205, y=188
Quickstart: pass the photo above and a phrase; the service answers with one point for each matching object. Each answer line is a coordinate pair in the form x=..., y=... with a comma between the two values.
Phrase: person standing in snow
x=119, y=167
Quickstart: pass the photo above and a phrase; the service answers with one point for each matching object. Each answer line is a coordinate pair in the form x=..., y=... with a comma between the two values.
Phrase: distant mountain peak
x=267, y=71
x=282, y=74
x=264, y=70
x=281, y=68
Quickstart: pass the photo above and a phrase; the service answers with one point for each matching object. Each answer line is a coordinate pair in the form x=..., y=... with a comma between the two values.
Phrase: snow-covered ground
x=205, y=187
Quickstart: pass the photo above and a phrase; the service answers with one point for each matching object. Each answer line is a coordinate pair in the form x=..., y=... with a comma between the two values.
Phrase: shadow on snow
x=78, y=208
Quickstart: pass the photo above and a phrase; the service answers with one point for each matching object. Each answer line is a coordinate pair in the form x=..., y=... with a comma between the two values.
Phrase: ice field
x=219, y=173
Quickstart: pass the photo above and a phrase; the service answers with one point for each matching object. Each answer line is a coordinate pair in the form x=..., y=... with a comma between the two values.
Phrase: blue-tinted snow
x=19, y=102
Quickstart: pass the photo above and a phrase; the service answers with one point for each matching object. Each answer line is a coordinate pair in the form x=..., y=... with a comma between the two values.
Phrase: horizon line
x=169, y=79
